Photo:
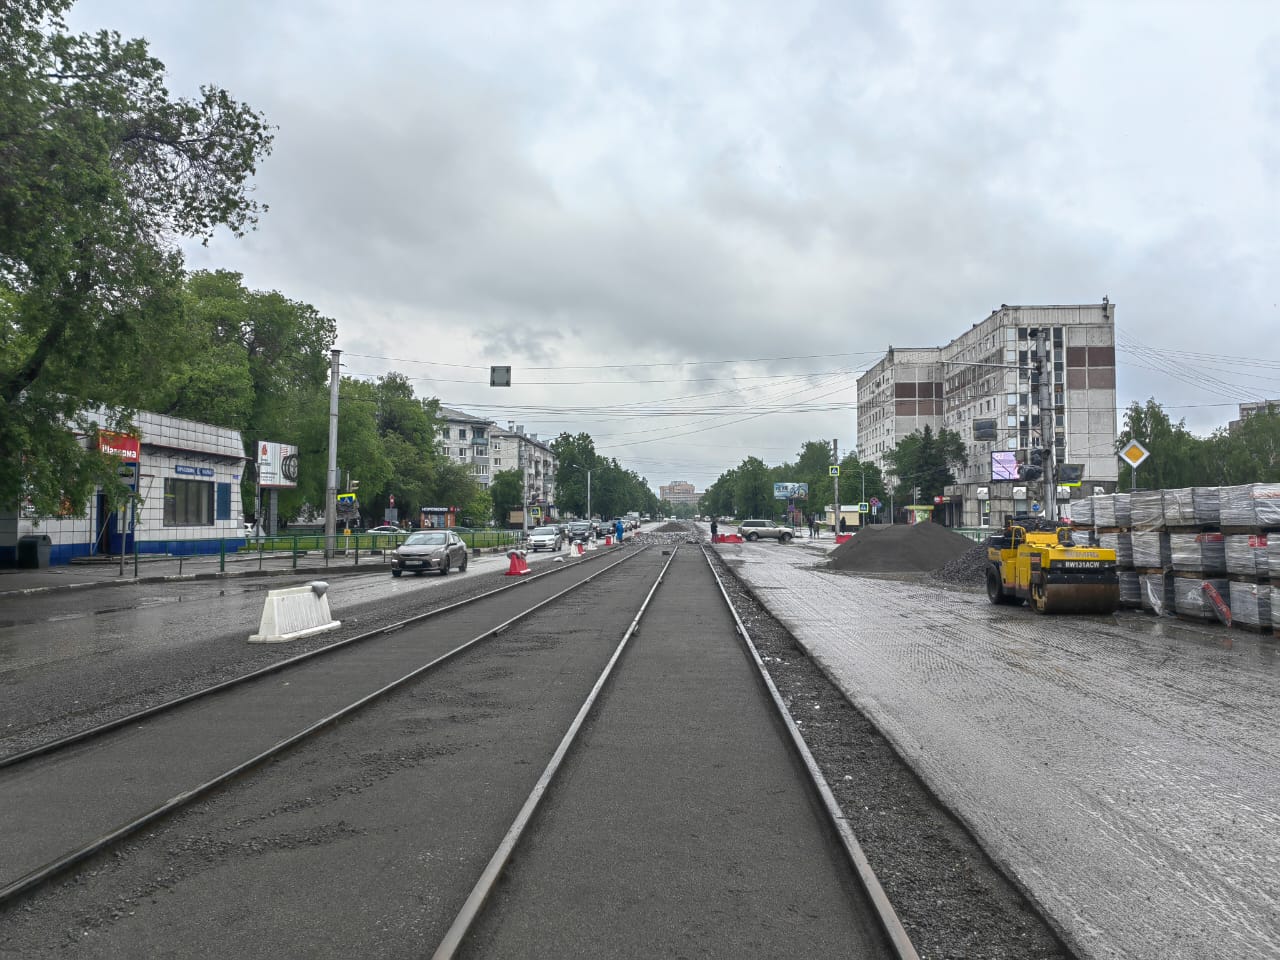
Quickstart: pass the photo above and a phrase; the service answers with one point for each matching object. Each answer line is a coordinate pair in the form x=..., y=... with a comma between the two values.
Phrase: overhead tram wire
x=625, y=366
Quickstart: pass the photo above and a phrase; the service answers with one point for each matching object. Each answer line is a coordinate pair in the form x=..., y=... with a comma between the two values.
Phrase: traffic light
x=1035, y=469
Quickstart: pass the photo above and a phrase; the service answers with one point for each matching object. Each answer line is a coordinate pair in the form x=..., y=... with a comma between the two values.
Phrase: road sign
x=1133, y=453
x=833, y=471
x=346, y=498
x=392, y=498
x=864, y=507
x=535, y=511
x=875, y=501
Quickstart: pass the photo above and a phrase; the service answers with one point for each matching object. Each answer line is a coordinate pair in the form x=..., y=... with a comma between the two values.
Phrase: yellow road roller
x=1037, y=560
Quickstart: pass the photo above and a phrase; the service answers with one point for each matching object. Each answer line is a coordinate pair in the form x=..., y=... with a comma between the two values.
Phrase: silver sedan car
x=545, y=538
x=440, y=550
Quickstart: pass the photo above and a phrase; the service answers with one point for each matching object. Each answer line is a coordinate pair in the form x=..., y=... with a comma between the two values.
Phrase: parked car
x=545, y=538
x=425, y=550
x=581, y=530
x=386, y=528
x=764, y=529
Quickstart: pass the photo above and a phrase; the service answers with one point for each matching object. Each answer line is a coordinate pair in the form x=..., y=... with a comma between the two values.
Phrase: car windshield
x=545, y=531
x=426, y=540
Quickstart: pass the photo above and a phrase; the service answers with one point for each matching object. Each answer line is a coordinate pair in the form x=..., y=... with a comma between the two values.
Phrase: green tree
x=1178, y=458
x=753, y=490
x=921, y=463
x=506, y=489
x=575, y=455
x=1248, y=454
x=102, y=171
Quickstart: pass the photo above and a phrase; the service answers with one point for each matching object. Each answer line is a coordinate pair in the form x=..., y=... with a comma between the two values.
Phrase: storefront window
x=188, y=503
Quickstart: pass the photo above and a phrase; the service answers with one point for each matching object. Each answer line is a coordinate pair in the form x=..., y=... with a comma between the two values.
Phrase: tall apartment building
x=464, y=438
x=533, y=457
x=678, y=492
x=984, y=375
x=488, y=449
x=1248, y=410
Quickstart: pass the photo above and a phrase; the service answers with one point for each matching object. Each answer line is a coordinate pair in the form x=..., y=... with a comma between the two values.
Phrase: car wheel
x=785, y=538
x=396, y=573
x=753, y=537
x=444, y=570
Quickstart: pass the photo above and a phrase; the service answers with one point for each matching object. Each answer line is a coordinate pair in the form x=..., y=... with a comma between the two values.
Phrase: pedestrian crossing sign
x=833, y=471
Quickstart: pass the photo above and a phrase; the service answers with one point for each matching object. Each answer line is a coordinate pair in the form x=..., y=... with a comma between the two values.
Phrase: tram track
x=43, y=805
x=520, y=927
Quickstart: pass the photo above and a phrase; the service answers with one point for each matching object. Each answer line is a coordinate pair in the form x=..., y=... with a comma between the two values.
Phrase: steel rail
x=883, y=908
x=52, y=746
x=480, y=893
x=59, y=865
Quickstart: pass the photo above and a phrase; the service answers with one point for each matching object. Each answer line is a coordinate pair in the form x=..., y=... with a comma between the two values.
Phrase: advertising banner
x=791, y=491
x=277, y=464
x=127, y=448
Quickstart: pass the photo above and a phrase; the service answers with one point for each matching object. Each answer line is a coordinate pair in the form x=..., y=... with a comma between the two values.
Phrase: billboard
x=1004, y=465
x=277, y=464
x=127, y=448
x=791, y=491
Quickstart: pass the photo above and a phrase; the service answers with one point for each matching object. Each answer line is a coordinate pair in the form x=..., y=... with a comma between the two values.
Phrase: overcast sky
x=616, y=198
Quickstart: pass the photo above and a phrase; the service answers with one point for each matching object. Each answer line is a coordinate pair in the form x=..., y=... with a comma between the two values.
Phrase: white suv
x=757, y=529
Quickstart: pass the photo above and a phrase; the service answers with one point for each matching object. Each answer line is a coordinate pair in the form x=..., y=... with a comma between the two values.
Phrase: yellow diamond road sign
x=1133, y=453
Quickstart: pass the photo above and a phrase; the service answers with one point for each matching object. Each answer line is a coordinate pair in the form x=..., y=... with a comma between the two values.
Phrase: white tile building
x=983, y=375
x=188, y=481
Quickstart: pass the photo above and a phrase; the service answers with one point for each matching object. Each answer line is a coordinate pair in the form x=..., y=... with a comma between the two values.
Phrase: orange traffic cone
x=518, y=565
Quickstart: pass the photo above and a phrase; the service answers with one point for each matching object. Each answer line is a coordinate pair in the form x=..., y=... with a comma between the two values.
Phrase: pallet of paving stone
x=1250, y=506
x=1151, y=549
x=1192, y=507
x=1193, y=597
x=1130, y=589
x=1121, y=543
x=1249, y=554
x=1111, y=510
x=1202, y=553
x=1146, y=510
x=1156, y=592
x=1082, y=512
x=1250, y=606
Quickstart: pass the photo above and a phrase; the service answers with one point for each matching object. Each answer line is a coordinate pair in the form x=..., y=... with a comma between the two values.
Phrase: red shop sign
x=127, y=448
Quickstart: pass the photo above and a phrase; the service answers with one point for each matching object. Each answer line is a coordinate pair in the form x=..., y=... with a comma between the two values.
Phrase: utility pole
x=588, y=494
x=835, y=485
x=1048, y=431
x=331, y=484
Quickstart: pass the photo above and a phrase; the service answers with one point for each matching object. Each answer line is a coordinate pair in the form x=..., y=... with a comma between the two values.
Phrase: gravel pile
x=673, y=528
x=969, y=567
x=899, y=548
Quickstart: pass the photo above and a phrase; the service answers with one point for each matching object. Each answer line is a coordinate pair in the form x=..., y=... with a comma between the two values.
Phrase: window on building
x=444, y=433
x=462, y=433
x=462, y=452
x=497, y=461
x=188, y=503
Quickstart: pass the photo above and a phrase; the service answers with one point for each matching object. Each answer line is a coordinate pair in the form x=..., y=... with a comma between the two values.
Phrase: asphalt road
x=81, y=656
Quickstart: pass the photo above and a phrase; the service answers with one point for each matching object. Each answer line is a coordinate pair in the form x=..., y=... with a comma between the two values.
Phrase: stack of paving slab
x=1106, y=517
x=1194, y=552
x=1251, y=531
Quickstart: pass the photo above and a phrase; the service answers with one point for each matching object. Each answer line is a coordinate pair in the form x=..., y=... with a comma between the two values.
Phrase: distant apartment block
x=1248, y=410
x=984, y=375
x=679, y=492
x=487, y=448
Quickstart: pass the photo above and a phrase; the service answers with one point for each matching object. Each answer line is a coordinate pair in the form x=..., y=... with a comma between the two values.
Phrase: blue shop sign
x=186, y=471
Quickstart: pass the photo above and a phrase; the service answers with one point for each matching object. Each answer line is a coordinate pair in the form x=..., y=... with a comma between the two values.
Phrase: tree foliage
x=1248, y=454
x=921, y=463
x=615, y=490
x=102, y=172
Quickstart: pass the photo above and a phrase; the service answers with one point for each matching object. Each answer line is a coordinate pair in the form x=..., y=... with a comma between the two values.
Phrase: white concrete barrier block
x=295, y=612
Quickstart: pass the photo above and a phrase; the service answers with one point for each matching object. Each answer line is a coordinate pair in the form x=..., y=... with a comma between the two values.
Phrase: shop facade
x=187, y=476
